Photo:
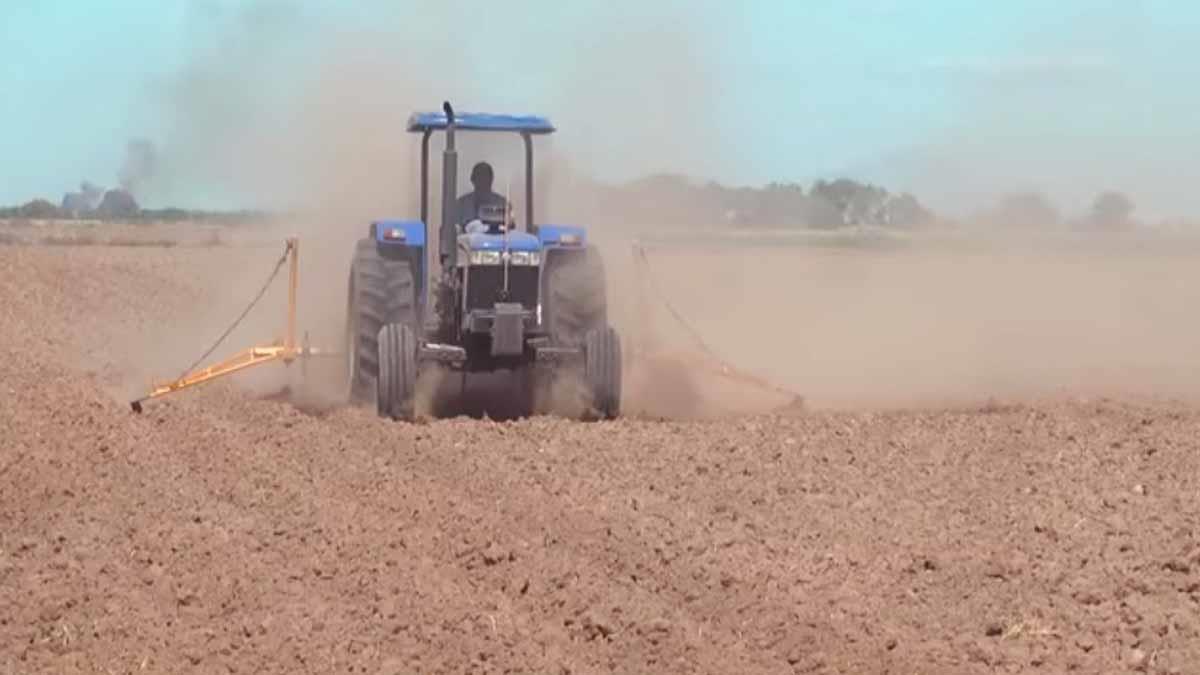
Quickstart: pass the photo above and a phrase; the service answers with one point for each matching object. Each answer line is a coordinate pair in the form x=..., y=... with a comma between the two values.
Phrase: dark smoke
x=139, y=167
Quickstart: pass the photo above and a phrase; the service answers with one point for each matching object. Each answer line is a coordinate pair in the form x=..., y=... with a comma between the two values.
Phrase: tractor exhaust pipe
x=449, y=189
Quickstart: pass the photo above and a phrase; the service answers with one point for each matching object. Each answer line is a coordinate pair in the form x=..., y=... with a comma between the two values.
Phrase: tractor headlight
x=485, y=257
x=528, y=258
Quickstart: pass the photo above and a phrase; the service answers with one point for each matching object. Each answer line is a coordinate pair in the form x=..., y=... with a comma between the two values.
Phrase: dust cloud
x=930, y=323
x=950, y=322
x=138, y=167
x=324, y=140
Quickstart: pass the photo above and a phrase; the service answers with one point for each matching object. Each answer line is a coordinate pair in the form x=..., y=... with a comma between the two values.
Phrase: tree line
x=674, y=200
x=669, y=199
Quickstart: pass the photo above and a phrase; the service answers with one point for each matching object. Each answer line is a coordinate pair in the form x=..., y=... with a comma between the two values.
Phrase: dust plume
x=1003, y=308
x=138, y=167
x=945, y=321
x=284, y=110
x=644, y=96
x=846, y=327
x=324, y=144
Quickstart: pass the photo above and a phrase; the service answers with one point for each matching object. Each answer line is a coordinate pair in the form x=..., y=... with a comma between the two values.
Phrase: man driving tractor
x=482, y=198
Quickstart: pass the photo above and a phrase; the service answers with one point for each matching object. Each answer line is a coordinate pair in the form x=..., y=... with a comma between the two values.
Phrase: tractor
x=491, y=298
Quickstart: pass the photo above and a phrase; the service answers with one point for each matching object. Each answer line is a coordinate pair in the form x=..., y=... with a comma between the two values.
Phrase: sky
x=957, y=102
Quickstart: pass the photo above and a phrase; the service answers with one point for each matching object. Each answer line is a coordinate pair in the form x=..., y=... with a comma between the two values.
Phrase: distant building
x=85, y=201
x=118, y=204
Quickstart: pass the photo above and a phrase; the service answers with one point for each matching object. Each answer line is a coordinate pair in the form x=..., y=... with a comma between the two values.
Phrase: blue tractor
x=490, y=298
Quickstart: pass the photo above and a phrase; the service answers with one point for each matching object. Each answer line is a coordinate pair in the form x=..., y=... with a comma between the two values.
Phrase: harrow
x=286, y=350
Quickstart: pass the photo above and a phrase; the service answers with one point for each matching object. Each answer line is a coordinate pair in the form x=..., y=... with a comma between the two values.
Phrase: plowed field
x=229, y=530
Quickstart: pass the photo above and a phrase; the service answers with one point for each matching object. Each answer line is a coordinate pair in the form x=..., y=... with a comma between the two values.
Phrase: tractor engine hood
x=516, y=241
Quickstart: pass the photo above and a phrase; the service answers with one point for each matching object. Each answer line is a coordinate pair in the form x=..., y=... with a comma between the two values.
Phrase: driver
x=469, y=204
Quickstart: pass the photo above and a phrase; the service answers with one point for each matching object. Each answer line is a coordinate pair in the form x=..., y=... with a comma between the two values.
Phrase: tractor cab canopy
x=473, y=143
x=467, y=121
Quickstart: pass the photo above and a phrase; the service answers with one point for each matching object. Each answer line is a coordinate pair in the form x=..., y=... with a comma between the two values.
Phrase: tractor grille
x=485, y=282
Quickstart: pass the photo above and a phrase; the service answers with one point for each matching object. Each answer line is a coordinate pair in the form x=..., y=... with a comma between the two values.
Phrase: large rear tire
x=602, y=371
x=576, y=298
x=396, y=385
x=382, y=292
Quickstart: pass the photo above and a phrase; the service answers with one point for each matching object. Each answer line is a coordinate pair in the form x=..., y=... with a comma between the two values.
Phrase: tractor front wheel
x=602, y=371
x=397, y=382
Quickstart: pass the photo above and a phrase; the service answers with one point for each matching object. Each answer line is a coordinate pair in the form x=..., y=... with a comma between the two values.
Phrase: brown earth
x=223, y=531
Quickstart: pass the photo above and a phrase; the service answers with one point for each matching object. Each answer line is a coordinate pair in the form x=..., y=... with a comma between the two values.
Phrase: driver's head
x=481, y=177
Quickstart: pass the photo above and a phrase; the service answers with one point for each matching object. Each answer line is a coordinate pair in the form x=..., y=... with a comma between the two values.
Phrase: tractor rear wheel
x=602, y=371
x=397, y=382
x=576, y=300
x=381, y=292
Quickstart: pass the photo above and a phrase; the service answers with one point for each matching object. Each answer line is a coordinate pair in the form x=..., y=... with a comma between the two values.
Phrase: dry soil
x=224, y=530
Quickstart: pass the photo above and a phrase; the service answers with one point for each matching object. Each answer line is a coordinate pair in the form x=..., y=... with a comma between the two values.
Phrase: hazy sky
x=954, y=100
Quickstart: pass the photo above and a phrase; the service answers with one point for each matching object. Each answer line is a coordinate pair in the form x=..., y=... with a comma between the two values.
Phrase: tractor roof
x=429, y=121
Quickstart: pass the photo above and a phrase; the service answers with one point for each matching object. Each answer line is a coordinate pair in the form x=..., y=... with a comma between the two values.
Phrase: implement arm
x=285, y=350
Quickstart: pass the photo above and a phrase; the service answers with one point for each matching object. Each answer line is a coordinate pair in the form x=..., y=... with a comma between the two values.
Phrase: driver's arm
x=464, y=209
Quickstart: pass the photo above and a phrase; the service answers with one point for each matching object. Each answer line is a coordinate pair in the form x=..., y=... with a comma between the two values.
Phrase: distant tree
x=666, y=199
x=1111, y=210
x=905, y=211
x=839, y=193
x=822, y=214
x=781, y=203
x=868, y=206
x=740, y=205
x=39, y=209
x=1024, y=209
x=858, y=203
